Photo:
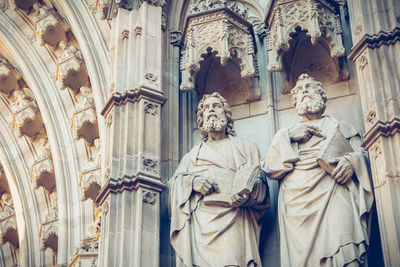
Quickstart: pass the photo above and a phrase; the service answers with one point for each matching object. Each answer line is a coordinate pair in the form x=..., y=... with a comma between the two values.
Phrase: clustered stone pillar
x=376, y=51
x=130, y=194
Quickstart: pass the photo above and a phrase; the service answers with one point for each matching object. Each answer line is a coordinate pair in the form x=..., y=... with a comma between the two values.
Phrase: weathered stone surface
x=206, y=194
x=320, y=161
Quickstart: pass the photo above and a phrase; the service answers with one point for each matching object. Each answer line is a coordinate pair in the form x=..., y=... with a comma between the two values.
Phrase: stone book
x=243, y=183
x=337, y=147
x=245, y=179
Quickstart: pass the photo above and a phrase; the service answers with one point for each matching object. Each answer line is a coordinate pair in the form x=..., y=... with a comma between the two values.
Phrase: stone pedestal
x=376, y=52
x=131, y=191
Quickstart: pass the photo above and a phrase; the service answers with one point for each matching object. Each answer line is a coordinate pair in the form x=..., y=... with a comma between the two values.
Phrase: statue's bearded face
x=214, y=118
x=309, y=98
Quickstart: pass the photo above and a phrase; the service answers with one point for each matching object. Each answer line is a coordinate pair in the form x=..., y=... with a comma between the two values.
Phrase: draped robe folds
x=321, y=223
x=207, y=230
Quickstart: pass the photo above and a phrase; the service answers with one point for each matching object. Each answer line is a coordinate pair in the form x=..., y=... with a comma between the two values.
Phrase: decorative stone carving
x=150, y=108
x=7, y=205
x=86, y=253
x=176, y=38
x=50, y=28
x=84, y=120
x=320, y=18
x=71, y=69
x=149, y=197
x=90, y=183
x=8, y=230
x=333, y=166
x=42, y=171
x=103, y=6
x=49, y=235
x=150, y=166
x=211, y=182
x=9, y=77
x=26, y=115
x=214, y=28
x=53, y=207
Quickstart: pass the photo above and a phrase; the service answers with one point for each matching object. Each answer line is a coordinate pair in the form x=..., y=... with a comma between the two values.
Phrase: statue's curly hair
x=301, y=79
x=228, y=113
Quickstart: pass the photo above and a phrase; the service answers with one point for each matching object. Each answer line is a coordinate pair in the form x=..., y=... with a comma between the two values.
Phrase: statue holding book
x=217, y=194
x=325, y=191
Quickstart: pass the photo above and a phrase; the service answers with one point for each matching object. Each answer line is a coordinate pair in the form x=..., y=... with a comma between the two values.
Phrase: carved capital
x=50, y=28
x=71, y=69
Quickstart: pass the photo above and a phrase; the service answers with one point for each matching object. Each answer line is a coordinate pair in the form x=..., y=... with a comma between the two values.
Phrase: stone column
x=376, y=51
x=130, y=195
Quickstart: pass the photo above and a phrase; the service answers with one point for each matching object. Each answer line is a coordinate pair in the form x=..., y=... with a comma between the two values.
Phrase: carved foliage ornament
x=222, y=31
x=320, y=18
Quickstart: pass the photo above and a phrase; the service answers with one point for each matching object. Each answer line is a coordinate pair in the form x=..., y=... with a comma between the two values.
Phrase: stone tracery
x=219, y=28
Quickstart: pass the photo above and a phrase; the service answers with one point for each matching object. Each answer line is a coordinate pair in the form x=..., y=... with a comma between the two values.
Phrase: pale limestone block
x=240, y=111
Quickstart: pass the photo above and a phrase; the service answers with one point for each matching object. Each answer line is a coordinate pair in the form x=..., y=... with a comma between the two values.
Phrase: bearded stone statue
x=325, y=191
x=217, y=195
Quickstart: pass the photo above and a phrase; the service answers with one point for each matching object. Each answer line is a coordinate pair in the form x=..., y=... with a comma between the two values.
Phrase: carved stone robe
x=321, y=223
x=206, y=230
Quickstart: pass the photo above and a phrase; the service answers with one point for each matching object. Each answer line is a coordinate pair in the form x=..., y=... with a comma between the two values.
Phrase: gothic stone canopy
x=219, y=27
x=320, y=18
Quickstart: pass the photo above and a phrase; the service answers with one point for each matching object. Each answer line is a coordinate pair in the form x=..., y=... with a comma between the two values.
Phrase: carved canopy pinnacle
x=320, y=18
x=213, y=25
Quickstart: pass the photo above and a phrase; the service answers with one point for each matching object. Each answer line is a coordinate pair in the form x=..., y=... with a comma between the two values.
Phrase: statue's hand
x=303, y=132
x=343, y=171
x=241, y=200
x=204, y=186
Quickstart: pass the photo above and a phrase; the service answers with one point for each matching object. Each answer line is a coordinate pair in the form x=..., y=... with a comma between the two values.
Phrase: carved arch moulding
x=218, y=28
x=320, y=19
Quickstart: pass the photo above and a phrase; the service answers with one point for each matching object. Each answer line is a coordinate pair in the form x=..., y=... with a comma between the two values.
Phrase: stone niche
x=25, y=5
x=26, y=115
x=71, y=69
x=84, y=120
x=219, y=52
x=9, y=232
x=90, y=183
x=49, y=235
x=42, y=172
x=9, y=78
x=50, y=28
x=305, y=37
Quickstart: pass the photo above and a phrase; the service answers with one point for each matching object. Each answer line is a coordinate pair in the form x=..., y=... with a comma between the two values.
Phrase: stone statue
x=325, y=191
x=214, y=218
x=7, y=205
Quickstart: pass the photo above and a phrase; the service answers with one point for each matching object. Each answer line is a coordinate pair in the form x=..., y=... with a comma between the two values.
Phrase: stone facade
x=99, y=100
